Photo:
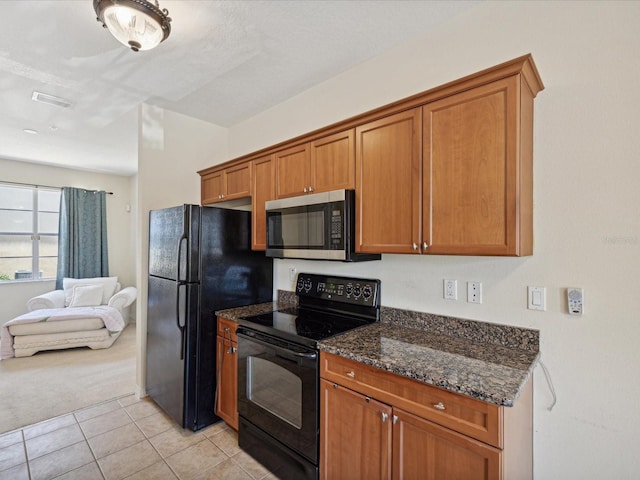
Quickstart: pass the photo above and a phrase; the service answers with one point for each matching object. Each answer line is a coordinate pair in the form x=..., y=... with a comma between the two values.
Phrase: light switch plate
x=537, y=298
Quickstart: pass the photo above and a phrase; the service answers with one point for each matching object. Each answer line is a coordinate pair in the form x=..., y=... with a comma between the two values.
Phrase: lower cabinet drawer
x=475, y=418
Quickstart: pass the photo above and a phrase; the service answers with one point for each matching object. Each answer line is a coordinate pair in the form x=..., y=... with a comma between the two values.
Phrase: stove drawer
x=475, y=418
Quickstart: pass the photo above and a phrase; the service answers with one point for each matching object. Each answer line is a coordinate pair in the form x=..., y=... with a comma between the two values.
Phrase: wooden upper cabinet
x=263, y=189
x=477, y=174
x=211, y=187
x=447, y=171
x=318, y=166
x=226, y=184
x=333, y=165
x=388, y=180
x=292, y=171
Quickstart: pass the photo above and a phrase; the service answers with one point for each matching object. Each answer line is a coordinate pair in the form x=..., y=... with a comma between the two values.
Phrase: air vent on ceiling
x=50, y=99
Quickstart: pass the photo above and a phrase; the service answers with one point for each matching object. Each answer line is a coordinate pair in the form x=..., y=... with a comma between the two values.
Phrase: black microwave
x=317, y=226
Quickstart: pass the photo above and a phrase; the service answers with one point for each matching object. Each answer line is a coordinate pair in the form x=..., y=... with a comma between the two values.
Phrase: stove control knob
x=356, y=291
x=307, y=285
x=300, y=284
x=348, y=289
x=366, y=292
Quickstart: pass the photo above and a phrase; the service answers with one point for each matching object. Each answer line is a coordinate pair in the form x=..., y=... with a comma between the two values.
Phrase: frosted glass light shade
x=138, y=24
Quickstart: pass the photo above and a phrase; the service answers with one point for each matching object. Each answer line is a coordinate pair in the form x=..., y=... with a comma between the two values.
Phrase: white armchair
x=85, y=330
x=56, y=299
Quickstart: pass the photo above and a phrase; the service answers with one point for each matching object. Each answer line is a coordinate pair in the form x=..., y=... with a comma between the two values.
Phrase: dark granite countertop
x=486, y=361
x=240, y=312
x=492, y=373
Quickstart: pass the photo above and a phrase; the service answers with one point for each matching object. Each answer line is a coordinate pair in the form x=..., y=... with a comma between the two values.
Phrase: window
x=28, y=232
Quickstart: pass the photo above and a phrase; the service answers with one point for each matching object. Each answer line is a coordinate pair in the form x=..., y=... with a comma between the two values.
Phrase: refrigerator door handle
x=181, y=312
x=180, y=318
x=183, y=239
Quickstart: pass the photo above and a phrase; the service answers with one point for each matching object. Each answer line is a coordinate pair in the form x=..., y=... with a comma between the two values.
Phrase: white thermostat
x=575, y=300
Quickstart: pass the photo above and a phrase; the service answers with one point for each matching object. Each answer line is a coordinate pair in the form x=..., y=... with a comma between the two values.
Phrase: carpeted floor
x=53, y=383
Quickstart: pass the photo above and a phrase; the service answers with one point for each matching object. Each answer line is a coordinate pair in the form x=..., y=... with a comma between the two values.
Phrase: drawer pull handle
x=439, y=406
x=351, y=374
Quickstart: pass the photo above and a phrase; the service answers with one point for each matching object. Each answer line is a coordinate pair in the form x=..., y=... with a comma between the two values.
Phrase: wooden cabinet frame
x=227, y=372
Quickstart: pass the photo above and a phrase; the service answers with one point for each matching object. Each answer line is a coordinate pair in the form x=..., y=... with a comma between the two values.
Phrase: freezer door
x=174, y=236
x=168, y=352
x=232, y=275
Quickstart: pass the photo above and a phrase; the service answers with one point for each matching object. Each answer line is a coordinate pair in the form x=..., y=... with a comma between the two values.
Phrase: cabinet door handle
x=415, y=246
x=232, y=350
x=351, y=374
x=395, y=419
x=310, y=189
x=439, y=406
x=425, y=245
x=304, y=189
x=385, y=416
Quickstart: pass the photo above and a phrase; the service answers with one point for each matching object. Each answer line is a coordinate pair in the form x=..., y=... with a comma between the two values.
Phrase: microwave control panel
x=359, y=291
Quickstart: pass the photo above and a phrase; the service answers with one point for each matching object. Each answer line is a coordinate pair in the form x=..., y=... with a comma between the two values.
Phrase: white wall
x=587, y=210
x=171, y=149
x=120, y=226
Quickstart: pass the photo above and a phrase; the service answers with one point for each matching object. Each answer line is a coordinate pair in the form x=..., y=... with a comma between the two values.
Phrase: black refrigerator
x=200, y=261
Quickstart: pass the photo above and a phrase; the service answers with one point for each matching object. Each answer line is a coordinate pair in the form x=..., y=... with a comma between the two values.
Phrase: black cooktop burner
x=309, y=324
x=327, y=305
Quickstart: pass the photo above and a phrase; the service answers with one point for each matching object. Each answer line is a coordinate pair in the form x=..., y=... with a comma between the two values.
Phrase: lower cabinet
x=227, y=372
x=377, y=425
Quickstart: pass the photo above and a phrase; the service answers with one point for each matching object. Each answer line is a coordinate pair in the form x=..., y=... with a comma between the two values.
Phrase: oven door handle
x=284, y=351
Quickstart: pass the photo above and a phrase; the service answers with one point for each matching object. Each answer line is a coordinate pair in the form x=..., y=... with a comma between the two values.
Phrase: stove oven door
x=278, y=390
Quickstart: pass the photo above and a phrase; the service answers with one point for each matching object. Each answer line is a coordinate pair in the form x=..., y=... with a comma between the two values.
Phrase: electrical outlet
x=450, y=289
x=292, y=274
x=474, y=292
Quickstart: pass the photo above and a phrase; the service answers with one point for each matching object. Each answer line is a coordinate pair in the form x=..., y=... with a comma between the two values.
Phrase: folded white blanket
x=110, y=316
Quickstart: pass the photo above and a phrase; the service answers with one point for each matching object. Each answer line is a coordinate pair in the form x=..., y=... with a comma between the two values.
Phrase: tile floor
x=124, y=438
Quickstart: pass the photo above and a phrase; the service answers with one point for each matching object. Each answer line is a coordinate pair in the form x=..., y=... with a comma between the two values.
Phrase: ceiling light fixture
x=138, y=24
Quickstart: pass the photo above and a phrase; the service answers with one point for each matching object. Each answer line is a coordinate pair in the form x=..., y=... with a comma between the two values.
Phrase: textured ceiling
x=224, y=62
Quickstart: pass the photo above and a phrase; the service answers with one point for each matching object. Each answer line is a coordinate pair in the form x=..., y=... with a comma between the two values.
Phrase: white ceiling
x=224, y=62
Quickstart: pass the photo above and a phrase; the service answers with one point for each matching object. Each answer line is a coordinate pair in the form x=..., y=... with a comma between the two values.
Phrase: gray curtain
x=82, y=235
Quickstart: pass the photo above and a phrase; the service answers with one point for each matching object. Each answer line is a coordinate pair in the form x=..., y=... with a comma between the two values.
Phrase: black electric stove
x=327, y=306
x=278, y=370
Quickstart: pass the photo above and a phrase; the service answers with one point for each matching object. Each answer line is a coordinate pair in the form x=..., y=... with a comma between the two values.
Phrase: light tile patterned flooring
x=128, y=439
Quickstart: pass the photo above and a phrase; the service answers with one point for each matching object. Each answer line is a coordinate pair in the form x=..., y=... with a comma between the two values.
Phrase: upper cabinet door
x=333, y=165
x=211, y=187
x=238, y=181
x=292, y=171
x=388, y=180
x=226, y=184
x=263, y=189
x=472, y=173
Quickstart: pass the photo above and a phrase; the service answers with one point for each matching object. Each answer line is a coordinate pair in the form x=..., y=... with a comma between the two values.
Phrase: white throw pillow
x=108, y=287
x=86, y=295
